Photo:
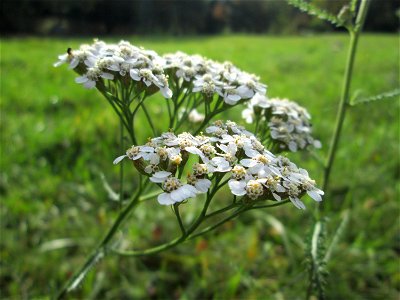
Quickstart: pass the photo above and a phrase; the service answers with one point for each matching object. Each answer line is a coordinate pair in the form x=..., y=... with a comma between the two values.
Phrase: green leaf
x=383, y=96
x=312, y=10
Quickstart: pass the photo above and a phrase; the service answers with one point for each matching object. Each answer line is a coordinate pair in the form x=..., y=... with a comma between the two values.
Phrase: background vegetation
x=177, y=17
x=57, y=139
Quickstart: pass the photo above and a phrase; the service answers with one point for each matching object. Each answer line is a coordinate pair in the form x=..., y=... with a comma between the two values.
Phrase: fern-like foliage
x=316, y=261
x=383, y=96
x=312, y=10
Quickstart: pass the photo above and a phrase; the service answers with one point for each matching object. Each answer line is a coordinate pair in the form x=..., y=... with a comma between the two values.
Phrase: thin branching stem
x=121, y=167
x=101, y=249
x=148, y=117
x=345, y=99
x=179, y=219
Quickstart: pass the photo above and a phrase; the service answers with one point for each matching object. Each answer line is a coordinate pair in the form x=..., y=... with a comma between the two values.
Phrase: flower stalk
x=344, y=103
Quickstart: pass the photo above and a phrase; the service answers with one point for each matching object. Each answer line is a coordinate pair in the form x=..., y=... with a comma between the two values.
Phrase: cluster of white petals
x=288, y=122
x=228, y=149
x=121, y=61
x=210, y=77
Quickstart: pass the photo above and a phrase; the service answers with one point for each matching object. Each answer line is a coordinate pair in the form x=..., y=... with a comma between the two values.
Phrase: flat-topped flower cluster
x=211, y=77
x=288, y=122
x=125, y=62
x=227, y=150
x=117, y=61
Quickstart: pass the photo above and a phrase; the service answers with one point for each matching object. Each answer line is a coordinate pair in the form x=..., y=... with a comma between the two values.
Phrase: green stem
x=169, y=112
x=153, y=250
x=121, y=168
x=209, y=228
x=222, y=210
x=208, y=118
x=238, y=212
x=149, y=120
x=100, y=251
x=149, y=196
x=196, y=102
x=185, y=233
x=178, y=217
x=188, y=234
x=345, y=99
x=270, y=205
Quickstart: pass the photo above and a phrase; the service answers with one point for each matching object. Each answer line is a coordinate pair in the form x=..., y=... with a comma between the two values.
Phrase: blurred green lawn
x=57, y=138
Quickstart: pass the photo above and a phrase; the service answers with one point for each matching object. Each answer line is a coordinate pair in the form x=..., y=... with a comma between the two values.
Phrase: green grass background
x=58, y=138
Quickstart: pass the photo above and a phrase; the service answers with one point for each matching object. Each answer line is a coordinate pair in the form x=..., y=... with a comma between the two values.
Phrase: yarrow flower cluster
x=121, y=61
x=288, y=122
x=210, y=77
x=185, y=165
x=126, y=62
x=228, y=149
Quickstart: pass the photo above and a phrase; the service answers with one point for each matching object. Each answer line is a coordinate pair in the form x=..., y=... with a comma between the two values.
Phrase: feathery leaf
x=312, y=10
x=383, y=96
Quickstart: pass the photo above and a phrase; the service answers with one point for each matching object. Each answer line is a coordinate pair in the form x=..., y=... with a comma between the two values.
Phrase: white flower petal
x=165, y=199
x=248, y=163
x=107, y=76
x=297, y=203
x=194, y=150
x=89, y=84
x=81, y=79
x=237, y=187
x=189, y=190
x=118, y=159
x=203, y=185
x=276, y=196
x=176, y=196
x=166, y=92
x=74, y=63
x=162, y=174
x=251, y=152
x=134, y=74
x=313, y=194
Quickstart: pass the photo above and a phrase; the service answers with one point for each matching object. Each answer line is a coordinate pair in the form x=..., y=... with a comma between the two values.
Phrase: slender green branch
x=197, y=101
x=230, y=217
x=149, y=120
x=208, y=117
x=100, y=250
x=212, y=227
x=150, y=251
x=270, y=205
x=180, y=239
x=345, y=99
x=222, y=210
x=178, y=217
x=149, y=196
x=121, y=168
x=169, y=112
x=189, y=234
